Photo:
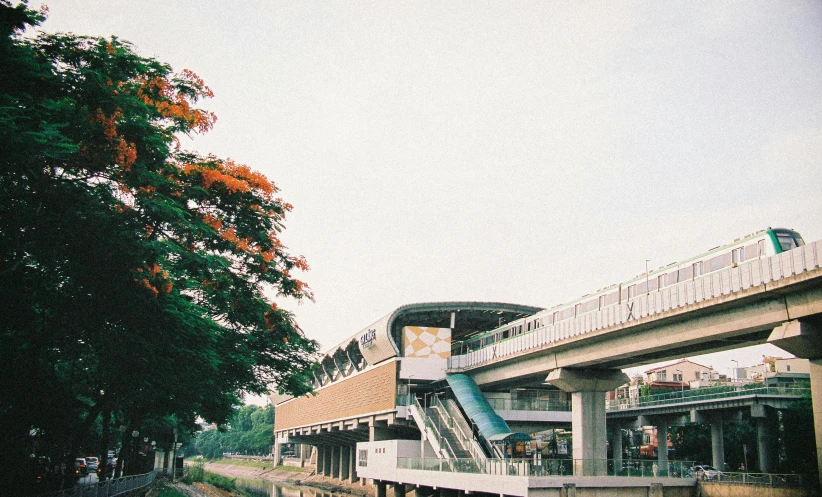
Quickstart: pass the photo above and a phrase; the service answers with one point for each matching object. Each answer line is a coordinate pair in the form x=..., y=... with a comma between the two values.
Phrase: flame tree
x=132, y=272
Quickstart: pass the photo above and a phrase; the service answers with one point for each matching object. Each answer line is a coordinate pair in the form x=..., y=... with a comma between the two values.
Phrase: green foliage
x=247, y=433
x=799, y=444
x=220, y=481
x=132, y=273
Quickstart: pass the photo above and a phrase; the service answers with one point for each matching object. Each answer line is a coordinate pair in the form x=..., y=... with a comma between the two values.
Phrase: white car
x=705, y=472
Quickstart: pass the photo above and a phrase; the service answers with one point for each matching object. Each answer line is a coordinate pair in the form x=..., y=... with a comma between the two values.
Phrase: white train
x=751, y=247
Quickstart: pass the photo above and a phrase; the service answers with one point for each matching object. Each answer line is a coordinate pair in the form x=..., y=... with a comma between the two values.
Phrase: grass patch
x=220, y=481
x=170, y=492
x=240, y=462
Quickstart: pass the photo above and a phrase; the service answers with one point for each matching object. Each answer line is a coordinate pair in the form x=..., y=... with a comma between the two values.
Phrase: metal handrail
x=704, y=394
x=465, y=441
x=109, y=488
x=434, y=430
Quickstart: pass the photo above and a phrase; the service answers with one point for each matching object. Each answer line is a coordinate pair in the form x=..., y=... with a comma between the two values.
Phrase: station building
x=363, y=386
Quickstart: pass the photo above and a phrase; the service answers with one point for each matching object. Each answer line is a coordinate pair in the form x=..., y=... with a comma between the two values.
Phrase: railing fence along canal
x=108, y=488
x=636, y=468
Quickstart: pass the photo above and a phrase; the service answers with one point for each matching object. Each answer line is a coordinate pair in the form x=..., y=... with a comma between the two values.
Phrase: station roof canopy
x=470, y=318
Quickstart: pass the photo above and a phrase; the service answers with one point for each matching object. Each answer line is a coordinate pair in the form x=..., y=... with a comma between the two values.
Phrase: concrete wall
x=705, y=489
x=371, y=391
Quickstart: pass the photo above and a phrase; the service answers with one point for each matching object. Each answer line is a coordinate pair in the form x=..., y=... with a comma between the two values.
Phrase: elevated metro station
x=440, y=396
x=366, y=386
x=386, y=388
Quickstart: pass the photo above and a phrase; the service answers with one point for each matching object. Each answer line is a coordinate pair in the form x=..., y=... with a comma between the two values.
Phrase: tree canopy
x=133, y=273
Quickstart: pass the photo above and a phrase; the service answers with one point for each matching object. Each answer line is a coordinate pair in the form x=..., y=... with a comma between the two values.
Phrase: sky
x=520, y=152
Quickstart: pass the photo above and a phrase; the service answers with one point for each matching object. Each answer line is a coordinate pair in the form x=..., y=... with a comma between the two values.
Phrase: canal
x=265, y=488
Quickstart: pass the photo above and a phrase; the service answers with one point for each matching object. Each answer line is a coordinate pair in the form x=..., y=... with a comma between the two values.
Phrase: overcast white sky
x=523, y=152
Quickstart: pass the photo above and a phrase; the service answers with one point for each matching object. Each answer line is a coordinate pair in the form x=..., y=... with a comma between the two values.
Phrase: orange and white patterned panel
x=421, y=341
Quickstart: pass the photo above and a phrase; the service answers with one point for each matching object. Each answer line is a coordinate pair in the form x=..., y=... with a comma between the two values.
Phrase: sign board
x=367, y=338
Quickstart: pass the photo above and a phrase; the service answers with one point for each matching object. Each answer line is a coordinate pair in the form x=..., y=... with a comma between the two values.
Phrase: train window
x=696, y=268
x=751, y=252
x=601, y=301
x=738, y=255
x=760, y=245
x=576, y=309
x=612, y=298
x=589, y=306
x=786, y=241
x=505, y=334
x=642, y=288
x=685, y=273
x=717, y=262
x=631, y=292
x=652, y=284
x=661, y=281
x=672, y=277
x=555, y=318
x=550, y=318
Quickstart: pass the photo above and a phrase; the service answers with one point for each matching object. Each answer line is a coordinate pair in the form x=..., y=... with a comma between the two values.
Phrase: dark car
x=80, y=466
x=91, y=464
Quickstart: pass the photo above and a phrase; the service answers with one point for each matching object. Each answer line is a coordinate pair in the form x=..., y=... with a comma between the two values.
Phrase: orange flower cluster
x=125, y=153
x=156, y=280
x=236, y=178
x=171, y=104
x=255, y=179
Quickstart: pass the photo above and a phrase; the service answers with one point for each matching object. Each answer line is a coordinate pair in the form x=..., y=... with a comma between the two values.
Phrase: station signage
x=367, y=338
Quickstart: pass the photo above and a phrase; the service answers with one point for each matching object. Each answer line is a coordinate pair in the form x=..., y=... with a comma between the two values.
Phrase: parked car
x=92, y=464
x=705, y=472
x=80, y=466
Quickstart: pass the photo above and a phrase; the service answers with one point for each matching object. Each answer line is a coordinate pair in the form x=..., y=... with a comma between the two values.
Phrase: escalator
x=489, y=428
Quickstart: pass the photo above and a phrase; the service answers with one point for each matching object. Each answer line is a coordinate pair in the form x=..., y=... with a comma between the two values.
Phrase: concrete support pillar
x=329, y=456
x=763, y=445
x=275, y=451
x=589, y=435
x=399, y=490
x=345, y=462
x=662, y=447
x=303, y=450
x=616, y=447
x=588, y=389
x=335, y=461
x=320, y=459
x=380, y=488
x=816, y=395
x=352, y=464
x=718, y=443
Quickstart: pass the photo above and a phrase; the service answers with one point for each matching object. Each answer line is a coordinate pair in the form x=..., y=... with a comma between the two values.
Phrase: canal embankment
x=288, y=476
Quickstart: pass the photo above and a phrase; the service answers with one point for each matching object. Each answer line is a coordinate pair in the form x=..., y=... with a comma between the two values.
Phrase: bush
x=220, y=481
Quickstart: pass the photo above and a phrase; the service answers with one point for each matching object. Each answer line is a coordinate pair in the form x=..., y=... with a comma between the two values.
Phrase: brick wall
x=372, y=391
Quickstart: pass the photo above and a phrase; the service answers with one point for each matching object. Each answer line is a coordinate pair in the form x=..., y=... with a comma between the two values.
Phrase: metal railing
x=756, y=479
x=702, y=289
x=704, y=394
x=533, y=467
x=529, y=405
x=443, y=445
x=465, y=440
x=108, y=488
